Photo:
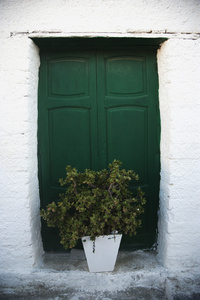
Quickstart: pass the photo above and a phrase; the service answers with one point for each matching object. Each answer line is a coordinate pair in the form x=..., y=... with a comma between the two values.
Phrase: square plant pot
x=101, y=254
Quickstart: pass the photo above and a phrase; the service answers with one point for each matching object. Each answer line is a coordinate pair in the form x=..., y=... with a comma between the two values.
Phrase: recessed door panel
x=69, y=138
x=127, y=134
x=125, y=75
x=68, y=77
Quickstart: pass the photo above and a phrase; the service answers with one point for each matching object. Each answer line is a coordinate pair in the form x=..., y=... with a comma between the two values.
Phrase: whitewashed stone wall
x=179, y=96
x=179, y=222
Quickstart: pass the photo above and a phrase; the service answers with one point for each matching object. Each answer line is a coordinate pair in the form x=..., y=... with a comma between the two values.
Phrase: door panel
x=127, y=138
x=124, y=75
x=95, y=106
x=69, y=139
x=65, y=75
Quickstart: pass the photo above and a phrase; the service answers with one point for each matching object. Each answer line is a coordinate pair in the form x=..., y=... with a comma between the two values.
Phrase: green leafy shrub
x=95, y=203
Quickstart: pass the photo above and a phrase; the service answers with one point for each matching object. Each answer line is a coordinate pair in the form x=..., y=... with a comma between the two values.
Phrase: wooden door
x=95, y=106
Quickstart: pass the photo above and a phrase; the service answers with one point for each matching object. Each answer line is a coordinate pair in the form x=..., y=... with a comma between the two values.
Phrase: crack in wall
x=127, y=33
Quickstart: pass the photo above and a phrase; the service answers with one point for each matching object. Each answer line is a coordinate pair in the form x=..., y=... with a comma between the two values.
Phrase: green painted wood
x=127, y=109
x=58, y=43
x=95, y=106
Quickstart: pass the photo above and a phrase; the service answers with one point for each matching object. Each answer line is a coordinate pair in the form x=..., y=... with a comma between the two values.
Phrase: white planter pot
x=101, y=254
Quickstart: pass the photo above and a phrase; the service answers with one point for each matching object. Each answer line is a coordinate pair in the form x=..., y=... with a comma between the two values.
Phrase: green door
x=96, y=105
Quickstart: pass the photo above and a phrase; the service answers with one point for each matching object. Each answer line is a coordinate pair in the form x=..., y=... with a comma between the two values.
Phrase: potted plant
x=98, y=207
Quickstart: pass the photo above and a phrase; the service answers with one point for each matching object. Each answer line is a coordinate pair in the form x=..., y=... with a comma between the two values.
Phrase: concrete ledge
x=137, y=275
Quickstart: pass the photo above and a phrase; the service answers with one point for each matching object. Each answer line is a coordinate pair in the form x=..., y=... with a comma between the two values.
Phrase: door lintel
x=54, y=43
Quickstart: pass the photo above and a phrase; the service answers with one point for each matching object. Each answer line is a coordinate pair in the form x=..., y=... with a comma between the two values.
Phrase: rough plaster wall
x=178, y=66
x=102, y=15
x=179, y=77
x=20, y=230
